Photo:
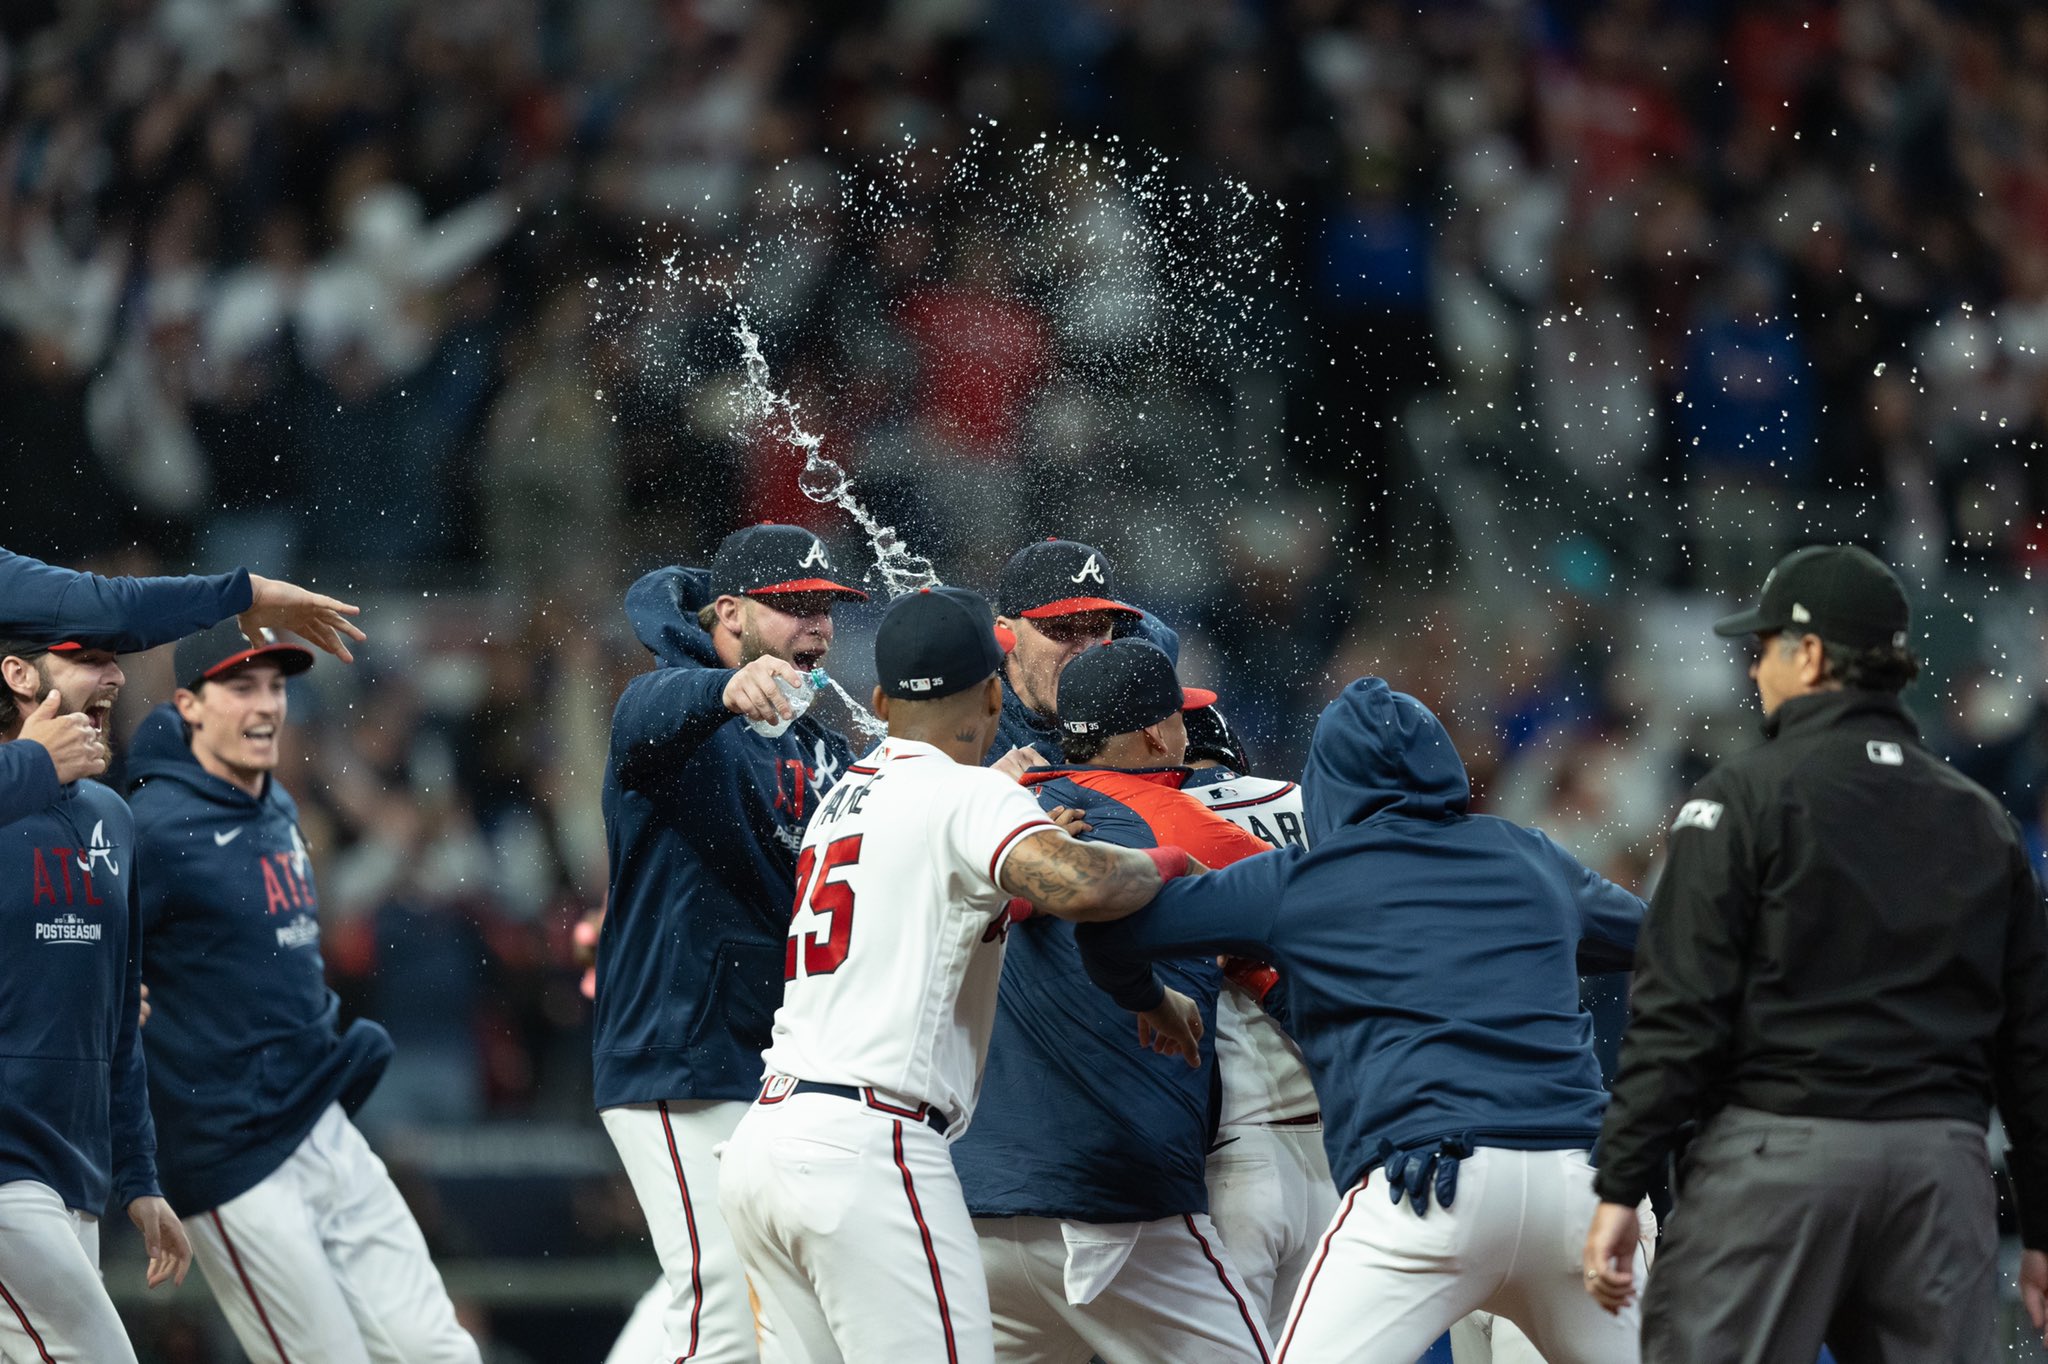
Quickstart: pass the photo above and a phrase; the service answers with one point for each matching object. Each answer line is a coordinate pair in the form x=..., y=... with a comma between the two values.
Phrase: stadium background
x=1592, y=309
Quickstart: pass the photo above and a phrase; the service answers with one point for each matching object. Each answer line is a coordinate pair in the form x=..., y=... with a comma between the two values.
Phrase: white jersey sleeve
x=896, y=946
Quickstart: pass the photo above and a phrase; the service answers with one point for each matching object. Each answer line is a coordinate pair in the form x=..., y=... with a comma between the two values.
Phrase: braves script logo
x=816, y=558
x=1090, y=572
x=97, y=850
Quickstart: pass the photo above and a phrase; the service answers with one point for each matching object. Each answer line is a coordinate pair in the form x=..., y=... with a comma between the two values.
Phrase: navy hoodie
x=48, y=604
x=74, y=1106
x=243, y=1044
x=1133, y=1127
x=702, y=818
x=1431, y=956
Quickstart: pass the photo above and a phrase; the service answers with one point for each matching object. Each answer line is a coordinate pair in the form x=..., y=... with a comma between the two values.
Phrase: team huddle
x=1042, y=1031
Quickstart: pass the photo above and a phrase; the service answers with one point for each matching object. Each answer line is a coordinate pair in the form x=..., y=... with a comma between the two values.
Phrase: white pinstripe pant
x=54, y=1307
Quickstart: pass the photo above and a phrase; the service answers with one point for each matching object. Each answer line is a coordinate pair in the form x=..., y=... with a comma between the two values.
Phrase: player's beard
x=753, y=646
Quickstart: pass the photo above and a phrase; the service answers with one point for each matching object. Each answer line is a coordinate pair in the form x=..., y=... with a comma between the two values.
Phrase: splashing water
x=824, y=480
x=866, y=721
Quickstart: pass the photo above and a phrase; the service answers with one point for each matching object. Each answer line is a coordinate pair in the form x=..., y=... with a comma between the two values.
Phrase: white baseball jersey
x=896, y=946
x=1264, y=1079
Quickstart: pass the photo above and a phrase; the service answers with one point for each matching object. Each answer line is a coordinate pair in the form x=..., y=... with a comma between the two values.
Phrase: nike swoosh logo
x=222, y=840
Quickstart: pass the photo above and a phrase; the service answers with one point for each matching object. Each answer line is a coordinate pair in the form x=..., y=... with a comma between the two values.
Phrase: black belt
x=924, y=1113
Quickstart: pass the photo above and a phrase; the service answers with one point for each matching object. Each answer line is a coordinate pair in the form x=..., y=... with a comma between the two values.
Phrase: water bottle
x=798, y=698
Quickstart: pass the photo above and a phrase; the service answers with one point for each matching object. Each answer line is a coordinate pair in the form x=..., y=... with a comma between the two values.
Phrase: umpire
x=1841, y=972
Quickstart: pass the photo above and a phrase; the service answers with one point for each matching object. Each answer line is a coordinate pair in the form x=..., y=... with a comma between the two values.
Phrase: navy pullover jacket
x=702, y=818
x=48, y=604
x=1431, y=956
x=243, y=1044
x=74, y=1106
x=1076, y=1120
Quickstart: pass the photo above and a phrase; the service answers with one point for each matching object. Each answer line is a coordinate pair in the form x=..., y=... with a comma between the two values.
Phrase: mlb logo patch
x=1885, y=753
x=1698, y=814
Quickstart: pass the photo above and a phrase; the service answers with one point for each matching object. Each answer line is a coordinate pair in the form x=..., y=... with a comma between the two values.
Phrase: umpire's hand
x=170, y=1253
x=751, y=694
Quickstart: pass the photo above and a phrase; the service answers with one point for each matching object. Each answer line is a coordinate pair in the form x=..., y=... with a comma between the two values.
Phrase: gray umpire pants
x=1878, y=1238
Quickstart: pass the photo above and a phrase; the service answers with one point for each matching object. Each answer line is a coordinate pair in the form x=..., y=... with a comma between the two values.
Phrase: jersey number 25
x=822, y=953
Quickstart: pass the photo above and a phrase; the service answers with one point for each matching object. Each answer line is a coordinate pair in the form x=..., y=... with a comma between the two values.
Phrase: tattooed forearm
x=1080, y=881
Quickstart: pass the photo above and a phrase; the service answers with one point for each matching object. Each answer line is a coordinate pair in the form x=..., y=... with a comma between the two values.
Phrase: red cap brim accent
x=1074, y=606
x=1194, y=698
x=291, y=660
x=796, y=585
x=69, y=646
x=1006, y=639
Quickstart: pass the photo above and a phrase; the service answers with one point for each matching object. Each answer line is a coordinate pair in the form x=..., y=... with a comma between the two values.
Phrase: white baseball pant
x=54, y=1307
x=855, y=1234
x=322, y=1262
x=1270, y=1196
x=1061, y=1292
x=1483, y=1338
x=671, y=1153
x=1510, y=1244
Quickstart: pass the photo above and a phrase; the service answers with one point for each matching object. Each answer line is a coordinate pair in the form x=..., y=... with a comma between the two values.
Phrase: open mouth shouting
x=807, y=659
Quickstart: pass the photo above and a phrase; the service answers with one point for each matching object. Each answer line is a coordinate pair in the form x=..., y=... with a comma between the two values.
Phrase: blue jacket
x=74, y=1106
x=48, y=604
x=702, y=818
x=1431, y=956
x=244, y=1049
x=1076, y=1121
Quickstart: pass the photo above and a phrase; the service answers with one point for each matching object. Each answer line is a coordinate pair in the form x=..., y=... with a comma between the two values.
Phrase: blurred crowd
x=1578, y=313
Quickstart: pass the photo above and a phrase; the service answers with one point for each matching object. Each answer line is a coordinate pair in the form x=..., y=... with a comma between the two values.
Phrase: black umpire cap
x=1123, y=686
x=220, y=649
x=770, y=560
x=1842, y=593
x=1058, y=578
x=935, y=642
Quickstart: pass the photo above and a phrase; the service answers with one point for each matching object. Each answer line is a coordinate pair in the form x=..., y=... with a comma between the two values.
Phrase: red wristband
x=1171, y=862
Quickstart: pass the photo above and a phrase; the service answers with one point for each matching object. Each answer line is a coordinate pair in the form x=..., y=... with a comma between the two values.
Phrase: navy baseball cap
x=1123, y=686
x=1842, y=593
x=1058, y=578
x=770, y=560
x=1211, y=738
x=935, y=642
x=220, y=649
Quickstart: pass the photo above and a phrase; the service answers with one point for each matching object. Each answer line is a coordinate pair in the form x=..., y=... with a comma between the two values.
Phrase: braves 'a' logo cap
x=1058, y=578
x=769, y=560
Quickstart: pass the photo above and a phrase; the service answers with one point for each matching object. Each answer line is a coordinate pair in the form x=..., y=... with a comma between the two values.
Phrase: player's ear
x=880, y=703
x=187, y=703
x=992, y=694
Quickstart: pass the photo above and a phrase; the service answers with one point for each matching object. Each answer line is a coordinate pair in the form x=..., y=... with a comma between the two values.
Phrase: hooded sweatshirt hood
x=663, y=609
x=1379, y=751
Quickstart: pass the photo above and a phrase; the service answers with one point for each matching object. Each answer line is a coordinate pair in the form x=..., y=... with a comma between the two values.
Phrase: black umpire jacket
x=1846, y=927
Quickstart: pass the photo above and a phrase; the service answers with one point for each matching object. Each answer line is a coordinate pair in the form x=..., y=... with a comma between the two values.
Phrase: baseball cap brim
x=1074, y=606
x=1194, y=698
x=1750, y=622
x=289, y=659
x=795, y=586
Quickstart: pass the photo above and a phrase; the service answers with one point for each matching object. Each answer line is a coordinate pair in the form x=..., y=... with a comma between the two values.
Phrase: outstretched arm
x=1083, y=882
x=1231, y=910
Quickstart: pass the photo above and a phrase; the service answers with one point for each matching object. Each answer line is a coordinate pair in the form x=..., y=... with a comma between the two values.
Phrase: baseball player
x=74, y=1106
x=1098, y=1241
x=702, y=819
x=1431, y=961
x=837, y=1183
x=306, y=1243
x=41, y=603
x=1054, y=599
x=1270, y=1190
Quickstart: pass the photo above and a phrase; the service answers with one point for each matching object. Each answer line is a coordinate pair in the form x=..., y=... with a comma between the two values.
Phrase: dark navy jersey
x=1431, y=957
x=245, y=1052
x=1131, y=1129
x=702, y=819
x=74, y=1106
